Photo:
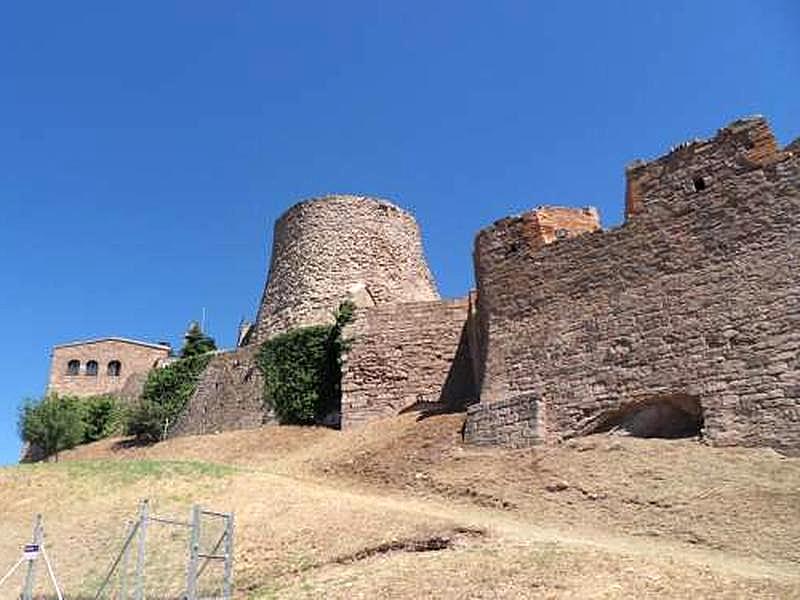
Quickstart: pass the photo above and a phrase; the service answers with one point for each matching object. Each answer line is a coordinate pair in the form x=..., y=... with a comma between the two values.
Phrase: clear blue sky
x=147, y=147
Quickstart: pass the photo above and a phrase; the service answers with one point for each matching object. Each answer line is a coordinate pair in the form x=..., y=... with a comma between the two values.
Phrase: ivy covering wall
x=303, y=370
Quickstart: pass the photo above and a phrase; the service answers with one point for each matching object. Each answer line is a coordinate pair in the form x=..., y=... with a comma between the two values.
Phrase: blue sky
x=147, y=147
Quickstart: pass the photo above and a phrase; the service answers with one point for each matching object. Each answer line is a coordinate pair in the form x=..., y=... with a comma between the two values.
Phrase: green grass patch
x=131, y=471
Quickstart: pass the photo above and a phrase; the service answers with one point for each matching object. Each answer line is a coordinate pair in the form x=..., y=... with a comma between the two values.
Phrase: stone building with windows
x=102, y=366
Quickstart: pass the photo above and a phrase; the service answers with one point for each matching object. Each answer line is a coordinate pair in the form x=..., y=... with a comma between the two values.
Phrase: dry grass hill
x=400, y=509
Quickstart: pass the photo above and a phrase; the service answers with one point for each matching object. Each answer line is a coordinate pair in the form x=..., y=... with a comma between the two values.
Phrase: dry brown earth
x=400, y=509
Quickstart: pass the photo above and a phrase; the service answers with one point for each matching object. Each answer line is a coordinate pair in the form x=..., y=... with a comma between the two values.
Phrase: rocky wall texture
x=512, y=423
x=696, y=296
x=326, y=250
x=228, y=396
x=403, y=355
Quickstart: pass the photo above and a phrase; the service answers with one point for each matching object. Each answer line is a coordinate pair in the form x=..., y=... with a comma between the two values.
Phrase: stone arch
x=670, y=415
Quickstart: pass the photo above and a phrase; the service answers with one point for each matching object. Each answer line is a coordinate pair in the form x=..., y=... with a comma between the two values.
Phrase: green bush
x=196, y=342
x=165, y=395
x=52, y=423
x=103, y=416
x=303, y=372
x=55, y=423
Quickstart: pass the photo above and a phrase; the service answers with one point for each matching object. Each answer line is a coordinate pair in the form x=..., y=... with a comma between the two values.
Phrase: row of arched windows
x=113, y=369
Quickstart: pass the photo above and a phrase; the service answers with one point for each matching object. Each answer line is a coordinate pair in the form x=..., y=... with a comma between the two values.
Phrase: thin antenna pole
x=194, y=555
x=11, y=572
x=123, y=555
x=203, y=322
x=139, y=595
x=227, y=584
x=126, y=555
x=30, y=577
x=52, y=574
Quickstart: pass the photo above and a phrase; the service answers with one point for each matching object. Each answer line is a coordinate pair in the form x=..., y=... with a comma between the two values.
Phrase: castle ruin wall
x=697, y=296
x=229, y=395
x=403, y=355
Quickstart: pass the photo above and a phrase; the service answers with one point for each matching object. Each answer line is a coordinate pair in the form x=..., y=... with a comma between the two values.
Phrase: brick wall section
x=404, y=353
x=697, y=294
x=324, y=248
x=136, y=359
x=511, y=423
x=228, y=396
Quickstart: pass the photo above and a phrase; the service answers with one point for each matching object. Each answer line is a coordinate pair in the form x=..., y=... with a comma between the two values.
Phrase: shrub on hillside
x=302, y=370
x=103, y=416
x=196, y=342
x=165, y=395
x=52, y=423
x=55, y=423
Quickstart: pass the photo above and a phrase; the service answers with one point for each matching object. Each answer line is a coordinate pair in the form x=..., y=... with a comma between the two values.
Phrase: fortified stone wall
x=695, y=298
x=326, y=250
x=529, y=231
x=405, y=354
x=228, y=396
x=94, y=360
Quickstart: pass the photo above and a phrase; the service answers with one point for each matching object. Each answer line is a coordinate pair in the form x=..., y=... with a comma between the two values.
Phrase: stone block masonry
x=511, y=423
x=695, y=299
x=683, y=321
x=405, y=354
x=103, y=366
x=228, y=396
x=329, y=249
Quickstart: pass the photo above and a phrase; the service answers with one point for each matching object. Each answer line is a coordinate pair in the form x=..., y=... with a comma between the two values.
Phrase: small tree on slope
x=196, y=342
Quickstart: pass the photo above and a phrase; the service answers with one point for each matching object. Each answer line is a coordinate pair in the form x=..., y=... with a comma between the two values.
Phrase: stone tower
x=329, y=249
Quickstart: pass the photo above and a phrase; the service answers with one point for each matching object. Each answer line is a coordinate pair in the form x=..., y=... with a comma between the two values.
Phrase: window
x=73, y=367
x=114, y=368
x=699, y=184
x=91, y=368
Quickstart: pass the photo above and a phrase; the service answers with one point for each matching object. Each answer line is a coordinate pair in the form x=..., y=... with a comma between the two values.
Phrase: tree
x=196, y=342
x=165, y=395
x=53, y=424
x=103, y=416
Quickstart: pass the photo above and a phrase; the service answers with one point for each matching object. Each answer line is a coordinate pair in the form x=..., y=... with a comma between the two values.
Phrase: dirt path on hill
x=504, y=526
x=402, y=509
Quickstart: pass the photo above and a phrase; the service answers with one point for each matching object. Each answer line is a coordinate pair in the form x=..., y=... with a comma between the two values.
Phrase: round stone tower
x=329, y=249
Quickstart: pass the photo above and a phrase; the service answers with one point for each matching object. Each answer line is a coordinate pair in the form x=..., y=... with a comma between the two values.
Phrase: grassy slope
x=329, y=514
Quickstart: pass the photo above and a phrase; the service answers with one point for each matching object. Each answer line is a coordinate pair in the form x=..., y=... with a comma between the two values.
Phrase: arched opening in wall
x=669, y=416
x=91, y=368
x=73, y=367
x=114, y=368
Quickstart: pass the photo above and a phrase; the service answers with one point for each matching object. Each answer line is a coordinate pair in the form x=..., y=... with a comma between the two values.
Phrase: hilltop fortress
x=685, y=320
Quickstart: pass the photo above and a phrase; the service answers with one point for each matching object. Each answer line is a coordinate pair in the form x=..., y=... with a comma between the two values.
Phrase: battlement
x=694, y=167
x=537, y=228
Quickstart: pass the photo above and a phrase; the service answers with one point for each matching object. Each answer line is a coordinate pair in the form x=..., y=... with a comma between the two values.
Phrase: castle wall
x=697, y=295
x=136, y=360
x=228, y=396
x=513, y=423
x=324, y=249
x=403, y=354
